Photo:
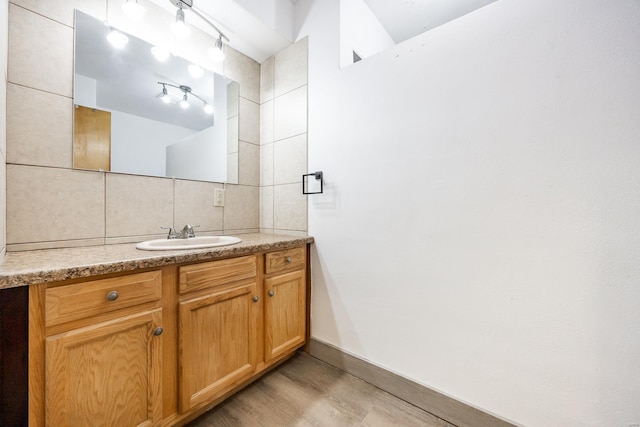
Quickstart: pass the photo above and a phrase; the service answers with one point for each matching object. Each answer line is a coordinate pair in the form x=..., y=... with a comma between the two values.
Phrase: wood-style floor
x=307, y=392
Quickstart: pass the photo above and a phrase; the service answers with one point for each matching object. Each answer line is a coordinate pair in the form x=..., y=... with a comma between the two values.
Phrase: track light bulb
x=184, y=103
x=165, y=96
x=216, y=52
x=117, y=39
x=179, y=27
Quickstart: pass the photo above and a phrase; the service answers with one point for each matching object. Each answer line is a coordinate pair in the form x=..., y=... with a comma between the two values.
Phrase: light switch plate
x=218, y=197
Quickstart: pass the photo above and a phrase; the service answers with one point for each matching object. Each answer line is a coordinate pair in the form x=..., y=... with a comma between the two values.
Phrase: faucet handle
x=172, y=233
x=187, y=231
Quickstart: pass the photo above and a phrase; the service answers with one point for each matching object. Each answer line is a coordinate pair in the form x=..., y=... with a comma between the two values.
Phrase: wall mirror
x=143, y=111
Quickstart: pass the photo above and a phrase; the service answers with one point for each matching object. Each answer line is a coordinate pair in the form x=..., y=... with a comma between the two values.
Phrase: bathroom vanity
x=134, y=338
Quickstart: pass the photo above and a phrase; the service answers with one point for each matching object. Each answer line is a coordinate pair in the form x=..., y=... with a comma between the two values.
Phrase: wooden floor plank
x=307, y=392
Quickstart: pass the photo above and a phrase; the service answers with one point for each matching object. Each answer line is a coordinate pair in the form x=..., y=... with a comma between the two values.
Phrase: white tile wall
x=137, y=205
x=290, y=159
x=193, y=204
x=43, y=142
x=290, y=207
x=245, y=71
x=283, y=139
x=290, y=69
x=250, y=121
x=267, y=76
x=266, y=207
x=242, y=208
x=266, y=164
x=51, y=204
x=290, y=114
x=62, y=10
x=266, y=122
x=249, y=164
x=40, y=52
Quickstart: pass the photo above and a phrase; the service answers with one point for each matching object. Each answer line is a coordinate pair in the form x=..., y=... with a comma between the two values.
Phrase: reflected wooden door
x=92, y=139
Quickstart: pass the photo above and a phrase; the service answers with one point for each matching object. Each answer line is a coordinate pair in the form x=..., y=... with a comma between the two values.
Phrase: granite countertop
x=51, y=265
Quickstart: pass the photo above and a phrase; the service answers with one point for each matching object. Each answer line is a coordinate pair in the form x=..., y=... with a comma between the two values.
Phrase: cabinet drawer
x=217, y=273
x=289, y=259
x=81, y=300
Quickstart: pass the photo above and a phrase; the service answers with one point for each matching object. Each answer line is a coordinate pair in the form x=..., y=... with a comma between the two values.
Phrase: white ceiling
x=404, y=19
x=255, y=26
x=250, y=24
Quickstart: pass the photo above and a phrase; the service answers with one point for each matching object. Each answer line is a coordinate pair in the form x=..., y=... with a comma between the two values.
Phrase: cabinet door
x=285, y=304
x=217, y=347
x=106, y=374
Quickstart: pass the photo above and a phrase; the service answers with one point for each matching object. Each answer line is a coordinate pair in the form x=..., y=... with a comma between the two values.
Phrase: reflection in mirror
x=138, y=113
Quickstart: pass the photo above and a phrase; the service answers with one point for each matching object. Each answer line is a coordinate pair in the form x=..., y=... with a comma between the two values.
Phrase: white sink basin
x=198, y=242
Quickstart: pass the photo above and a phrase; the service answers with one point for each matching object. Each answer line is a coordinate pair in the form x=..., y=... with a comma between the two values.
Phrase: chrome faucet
x=187, y=231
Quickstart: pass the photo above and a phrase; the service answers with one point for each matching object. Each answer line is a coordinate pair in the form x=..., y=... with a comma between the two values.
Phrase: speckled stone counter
x=50, y=265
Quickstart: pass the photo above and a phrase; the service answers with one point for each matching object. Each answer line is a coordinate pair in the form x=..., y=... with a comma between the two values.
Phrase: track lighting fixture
x=179, y=27
x=216, y=52
x=184, y=102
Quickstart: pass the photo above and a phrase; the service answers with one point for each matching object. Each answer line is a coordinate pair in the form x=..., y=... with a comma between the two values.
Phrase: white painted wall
x=360, y=31
x=85, y=91
x=480, y=229
x=202, y=156
x=138, y=144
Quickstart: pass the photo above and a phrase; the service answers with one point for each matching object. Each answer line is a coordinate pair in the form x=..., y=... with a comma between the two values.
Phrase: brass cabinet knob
x=256, y=298
x=288, y=260
x=271, y=293
x=112, y=296
x=158, y=331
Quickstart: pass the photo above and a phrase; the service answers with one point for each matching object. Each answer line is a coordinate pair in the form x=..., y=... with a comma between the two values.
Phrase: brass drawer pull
x=112, y=296
x=288, y=260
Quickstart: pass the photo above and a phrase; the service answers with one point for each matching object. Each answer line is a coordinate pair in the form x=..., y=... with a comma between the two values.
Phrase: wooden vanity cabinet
x=159, y=347
x=217, y=330
x=285, y=302
x=103, y=352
